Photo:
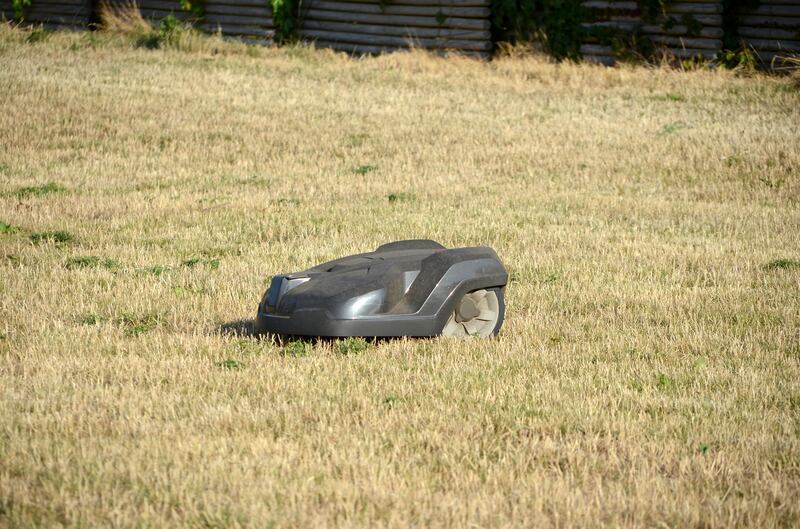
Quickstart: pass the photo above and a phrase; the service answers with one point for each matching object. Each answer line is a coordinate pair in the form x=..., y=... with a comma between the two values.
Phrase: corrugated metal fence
x=248, y=20
x=365, y=26
x=772, y=28
x=685, y=28
x=57, y=13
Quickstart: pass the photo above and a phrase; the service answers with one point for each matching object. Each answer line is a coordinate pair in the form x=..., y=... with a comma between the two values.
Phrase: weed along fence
x=365, y=26
x=690, y=28
x=248, y=20
x=603, y=31
x=52, y=13
x=684, y=28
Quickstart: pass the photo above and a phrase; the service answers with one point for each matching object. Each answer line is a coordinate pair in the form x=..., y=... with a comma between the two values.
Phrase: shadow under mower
x=405, y=288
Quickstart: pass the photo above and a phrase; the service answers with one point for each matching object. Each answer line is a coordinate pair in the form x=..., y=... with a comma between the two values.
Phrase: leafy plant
x=298, y=348
x=284, y=16
x=352, y=345
x=19, y=7
x=391, y=400
x=7, y=228
x=738, y=59
x=168, y=33
x=195, y=7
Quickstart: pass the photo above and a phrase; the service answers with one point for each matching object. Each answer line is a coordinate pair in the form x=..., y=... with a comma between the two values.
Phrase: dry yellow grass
x=648, y=374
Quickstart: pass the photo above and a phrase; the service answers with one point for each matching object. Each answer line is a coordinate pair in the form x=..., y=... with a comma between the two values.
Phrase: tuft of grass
x=56, y=237
x=671, y=128
x=298, y=348
x=213, y=264
x=365, y=169
x=157, y=270
x=286, y=201
x=7, y=229
x=671, y=97
x=137, y=324
x=39, y=191
x=391, y=400
x=91, y=261
x=357, y=140
x=85, y=261
x=230, y=363
x=399, y=197
x=664, y=381
x=783, y=264
x=37, y=34
x=90, y=318
x=352, y=346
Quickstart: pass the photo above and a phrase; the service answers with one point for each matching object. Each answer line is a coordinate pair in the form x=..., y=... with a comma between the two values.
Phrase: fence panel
x=772, y=29
x=71, y=14
x=363, y=26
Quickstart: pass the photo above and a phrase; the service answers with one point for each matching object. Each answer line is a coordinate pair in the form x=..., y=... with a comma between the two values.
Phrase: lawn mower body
x=405, y=288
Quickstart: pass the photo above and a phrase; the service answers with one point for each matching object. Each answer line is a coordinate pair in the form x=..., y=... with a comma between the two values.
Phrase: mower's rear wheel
x=478, y=313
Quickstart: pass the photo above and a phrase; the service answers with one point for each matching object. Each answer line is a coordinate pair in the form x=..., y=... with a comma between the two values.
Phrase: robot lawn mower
x=404, y=288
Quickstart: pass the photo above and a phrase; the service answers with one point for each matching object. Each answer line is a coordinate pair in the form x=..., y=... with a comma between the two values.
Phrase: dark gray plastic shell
x=405, y=288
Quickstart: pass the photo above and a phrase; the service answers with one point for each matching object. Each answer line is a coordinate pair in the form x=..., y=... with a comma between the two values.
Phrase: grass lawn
x=648, y=373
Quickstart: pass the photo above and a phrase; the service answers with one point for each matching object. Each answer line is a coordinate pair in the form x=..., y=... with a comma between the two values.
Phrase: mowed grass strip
x=648, y=373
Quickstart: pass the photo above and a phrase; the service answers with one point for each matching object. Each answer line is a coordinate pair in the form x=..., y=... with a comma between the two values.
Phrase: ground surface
x=648, y=373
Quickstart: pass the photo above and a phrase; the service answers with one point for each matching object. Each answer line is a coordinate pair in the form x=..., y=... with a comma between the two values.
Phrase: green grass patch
x=230, y=363
x=7, y=229
x=136, y=324
x=56, y=237
x=91, y=261
x=39, y=191
x=352, y=346
x=157, y=270
x=672, y=128
x=90, y=318
x=297, y=348
x=365, y=169
x=399, y=197
x=391, y=400
x=783, y=264
x=213, y=264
